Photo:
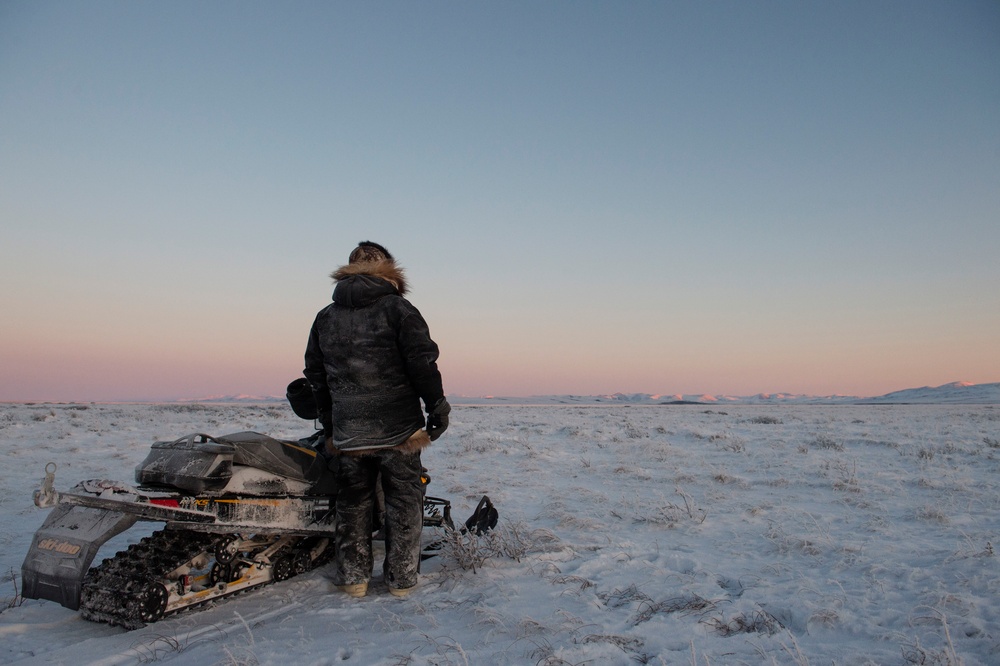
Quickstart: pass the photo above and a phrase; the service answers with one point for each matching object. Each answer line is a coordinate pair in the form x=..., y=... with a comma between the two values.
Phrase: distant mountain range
x=956, y=392
x=953, y=393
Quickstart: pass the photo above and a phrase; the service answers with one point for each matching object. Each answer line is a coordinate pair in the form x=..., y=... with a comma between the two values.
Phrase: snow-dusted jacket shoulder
x=370, y=359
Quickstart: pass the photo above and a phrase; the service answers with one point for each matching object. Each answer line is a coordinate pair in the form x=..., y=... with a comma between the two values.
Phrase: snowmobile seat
x=288, y=459
x=200, y=463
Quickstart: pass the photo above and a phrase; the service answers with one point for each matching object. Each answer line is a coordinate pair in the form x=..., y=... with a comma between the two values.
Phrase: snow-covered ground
x=684, y=534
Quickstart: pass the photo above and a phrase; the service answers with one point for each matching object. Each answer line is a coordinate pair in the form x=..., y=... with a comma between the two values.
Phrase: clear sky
x=588, y=197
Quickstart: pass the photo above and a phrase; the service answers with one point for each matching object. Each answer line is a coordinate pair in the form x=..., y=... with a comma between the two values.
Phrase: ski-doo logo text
x=59, y=546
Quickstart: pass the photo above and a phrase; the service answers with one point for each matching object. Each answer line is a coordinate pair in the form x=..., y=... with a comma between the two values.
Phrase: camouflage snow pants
x=358, y=477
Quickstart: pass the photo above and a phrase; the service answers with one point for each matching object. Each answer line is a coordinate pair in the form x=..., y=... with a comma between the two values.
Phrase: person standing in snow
x=371, y=361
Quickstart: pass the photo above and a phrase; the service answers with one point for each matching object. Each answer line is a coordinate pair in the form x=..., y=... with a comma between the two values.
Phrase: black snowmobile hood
x=358, y=291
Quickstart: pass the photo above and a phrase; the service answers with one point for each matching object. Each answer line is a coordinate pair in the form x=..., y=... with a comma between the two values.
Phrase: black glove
x=437, y=419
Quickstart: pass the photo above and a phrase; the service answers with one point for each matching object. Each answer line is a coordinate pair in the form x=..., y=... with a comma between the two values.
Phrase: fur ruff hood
x=385, y=269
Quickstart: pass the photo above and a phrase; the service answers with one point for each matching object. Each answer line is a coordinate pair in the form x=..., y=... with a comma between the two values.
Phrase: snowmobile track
x=131, y=589
x=122, y=590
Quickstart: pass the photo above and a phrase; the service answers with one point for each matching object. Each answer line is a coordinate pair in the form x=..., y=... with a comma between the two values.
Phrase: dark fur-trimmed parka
x=370, y=360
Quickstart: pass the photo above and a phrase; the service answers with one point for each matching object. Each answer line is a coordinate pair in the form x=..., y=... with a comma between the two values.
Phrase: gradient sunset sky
x=588, y=197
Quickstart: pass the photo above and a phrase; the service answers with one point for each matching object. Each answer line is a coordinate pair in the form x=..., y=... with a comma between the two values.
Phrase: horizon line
x=684, y=397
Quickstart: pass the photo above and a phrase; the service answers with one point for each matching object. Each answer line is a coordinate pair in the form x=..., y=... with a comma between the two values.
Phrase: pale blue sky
x=589, y=197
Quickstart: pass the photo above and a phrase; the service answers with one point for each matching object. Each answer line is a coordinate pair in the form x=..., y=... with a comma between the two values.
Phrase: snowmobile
x=240, y=511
